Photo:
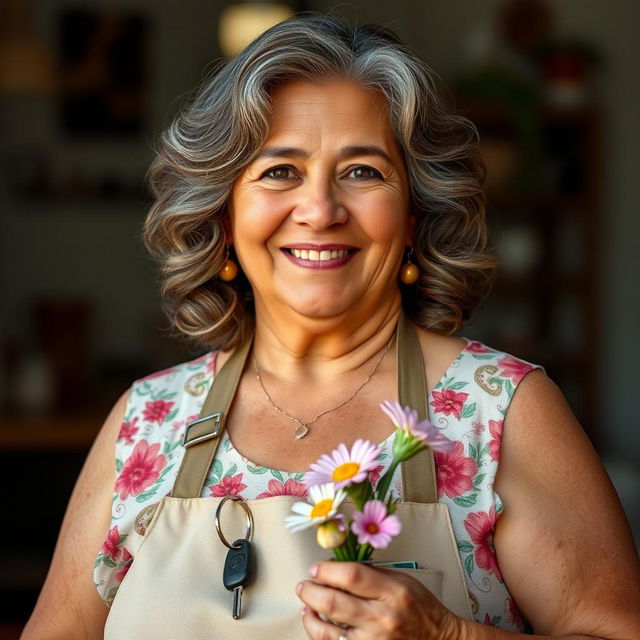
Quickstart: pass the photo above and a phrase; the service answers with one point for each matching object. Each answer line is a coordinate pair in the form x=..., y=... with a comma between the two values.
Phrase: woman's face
x=320, y=218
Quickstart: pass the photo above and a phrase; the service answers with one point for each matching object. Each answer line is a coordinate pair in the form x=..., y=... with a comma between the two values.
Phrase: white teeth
x=319, y=256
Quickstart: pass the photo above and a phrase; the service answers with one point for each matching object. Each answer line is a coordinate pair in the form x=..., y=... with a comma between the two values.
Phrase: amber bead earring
x=409, y=273
x=229, y=269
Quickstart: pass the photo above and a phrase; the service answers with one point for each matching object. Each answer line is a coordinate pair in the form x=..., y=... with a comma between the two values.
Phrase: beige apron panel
x=174, y=588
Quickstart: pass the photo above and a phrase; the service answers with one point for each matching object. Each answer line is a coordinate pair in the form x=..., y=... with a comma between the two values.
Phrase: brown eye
x=364, y=172
x=279, y=173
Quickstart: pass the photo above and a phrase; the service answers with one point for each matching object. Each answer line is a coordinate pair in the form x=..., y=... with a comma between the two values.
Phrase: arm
x=69, y=606
x=562, y=541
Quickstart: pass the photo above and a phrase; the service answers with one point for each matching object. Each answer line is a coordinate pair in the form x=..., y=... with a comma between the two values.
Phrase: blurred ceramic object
x=34, y=387
x=519, y=250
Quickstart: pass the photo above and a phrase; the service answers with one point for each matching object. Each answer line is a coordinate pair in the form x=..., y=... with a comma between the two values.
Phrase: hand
x=373, y=603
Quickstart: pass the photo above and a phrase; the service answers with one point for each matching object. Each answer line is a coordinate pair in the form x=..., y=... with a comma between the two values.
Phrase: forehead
x=333, y=107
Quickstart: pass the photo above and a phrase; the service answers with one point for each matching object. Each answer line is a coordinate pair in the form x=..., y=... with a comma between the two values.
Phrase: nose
x=319, y=205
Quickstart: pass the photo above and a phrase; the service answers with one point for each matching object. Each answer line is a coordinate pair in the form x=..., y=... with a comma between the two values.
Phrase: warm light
x=26, y=67
x=242, y=23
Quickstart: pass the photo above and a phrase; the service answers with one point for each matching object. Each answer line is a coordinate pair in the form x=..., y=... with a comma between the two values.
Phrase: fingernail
x=313, y=572
x=299, y=588
x=304, y=610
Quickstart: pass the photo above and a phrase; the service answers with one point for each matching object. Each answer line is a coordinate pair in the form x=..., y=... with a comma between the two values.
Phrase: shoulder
x=203, y=364
x=492, y=370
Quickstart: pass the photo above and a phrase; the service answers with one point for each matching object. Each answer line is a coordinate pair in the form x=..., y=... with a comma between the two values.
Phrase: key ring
x=249, y=516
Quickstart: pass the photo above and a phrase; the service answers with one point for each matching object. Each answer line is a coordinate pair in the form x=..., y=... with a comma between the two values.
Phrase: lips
x=323, y=256
x=319, y=256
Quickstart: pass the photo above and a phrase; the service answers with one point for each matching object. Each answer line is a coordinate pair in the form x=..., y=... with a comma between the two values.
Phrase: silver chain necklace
x=303, y=427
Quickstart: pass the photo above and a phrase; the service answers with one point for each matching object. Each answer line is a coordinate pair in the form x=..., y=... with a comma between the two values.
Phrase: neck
x=322, y=349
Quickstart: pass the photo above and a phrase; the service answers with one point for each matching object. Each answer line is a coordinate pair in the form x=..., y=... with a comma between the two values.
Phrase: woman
x=323, y=162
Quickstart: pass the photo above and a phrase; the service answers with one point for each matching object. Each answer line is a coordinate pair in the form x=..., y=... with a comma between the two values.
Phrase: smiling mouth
x=323, y=255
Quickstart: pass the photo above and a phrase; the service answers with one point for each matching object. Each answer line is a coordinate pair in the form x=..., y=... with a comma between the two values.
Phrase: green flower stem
x=338, y=553
x=385, y=481
x=364, y=552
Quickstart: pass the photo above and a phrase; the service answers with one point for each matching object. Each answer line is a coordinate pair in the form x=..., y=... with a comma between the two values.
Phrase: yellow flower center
x=321, y=509
x=345, y=471
x=373, y=528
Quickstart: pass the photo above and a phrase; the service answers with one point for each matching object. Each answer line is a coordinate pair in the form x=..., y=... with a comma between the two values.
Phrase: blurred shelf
x=60, y=432
x=544, y=206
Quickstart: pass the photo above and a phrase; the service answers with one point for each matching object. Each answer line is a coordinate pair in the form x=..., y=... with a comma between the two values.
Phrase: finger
x=320, y=630
x=356, y=578
x=334, y=604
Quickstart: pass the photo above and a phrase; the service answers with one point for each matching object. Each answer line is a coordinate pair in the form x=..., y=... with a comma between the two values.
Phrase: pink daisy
x=425, y=431
x=343, y=467
x=372, y=525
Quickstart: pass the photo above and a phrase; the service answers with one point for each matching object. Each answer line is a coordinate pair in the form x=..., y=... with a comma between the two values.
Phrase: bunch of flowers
x=345, y=473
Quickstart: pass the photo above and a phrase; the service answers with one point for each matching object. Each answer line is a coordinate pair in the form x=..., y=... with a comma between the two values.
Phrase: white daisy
x=323, y=503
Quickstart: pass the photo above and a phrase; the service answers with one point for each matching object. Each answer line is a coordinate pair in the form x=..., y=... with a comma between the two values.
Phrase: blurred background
x=85, y=88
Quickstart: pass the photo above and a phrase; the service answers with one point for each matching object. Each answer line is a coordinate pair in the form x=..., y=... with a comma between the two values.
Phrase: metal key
x=238, y=571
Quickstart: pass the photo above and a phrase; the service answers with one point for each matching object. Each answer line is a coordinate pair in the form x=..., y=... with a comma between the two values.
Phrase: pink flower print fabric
x=141, y=469
x=467, y=405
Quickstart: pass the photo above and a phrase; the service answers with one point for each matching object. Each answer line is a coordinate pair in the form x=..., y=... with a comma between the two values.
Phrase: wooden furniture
x=544, y=187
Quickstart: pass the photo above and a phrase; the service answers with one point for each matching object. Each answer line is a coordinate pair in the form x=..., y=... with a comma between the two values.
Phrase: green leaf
x=466, y=501
x=495, y=621
x=143, y=497
x=112, y=593
x=97, y=562
x=457, y=385
x=469, y=565
x=495, y=380
x=298, y=477
x=472, y=451
x=509, y=387
x=469, y=410
x=216, y=470
x=478, y=479
x=465, y=547
x=256, y=470
x=483, y=356
x=171, y=415
x=109, y=562
x=119, y=465
x=231, y=470
x=277, y=475
x=144, y=389
x=165, y=394
x=164, y=473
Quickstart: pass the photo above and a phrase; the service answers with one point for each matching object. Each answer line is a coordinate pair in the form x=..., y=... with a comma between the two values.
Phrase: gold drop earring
x=409, y=273
x=229, y=269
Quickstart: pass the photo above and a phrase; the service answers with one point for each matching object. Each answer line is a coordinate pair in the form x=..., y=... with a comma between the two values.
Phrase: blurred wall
x=444, y=32
x=104, y=236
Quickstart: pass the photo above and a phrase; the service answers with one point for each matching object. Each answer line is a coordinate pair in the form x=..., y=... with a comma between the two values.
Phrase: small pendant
x=301, y=431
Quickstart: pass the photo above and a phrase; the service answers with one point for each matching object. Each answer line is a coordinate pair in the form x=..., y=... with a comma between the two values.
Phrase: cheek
x=384, y=222
x=255, y=219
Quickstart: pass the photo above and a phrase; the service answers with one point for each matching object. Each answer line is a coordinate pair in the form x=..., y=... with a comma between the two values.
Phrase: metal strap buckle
x=217, y=417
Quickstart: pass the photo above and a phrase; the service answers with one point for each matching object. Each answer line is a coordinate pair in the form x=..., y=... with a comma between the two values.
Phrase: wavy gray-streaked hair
x=213, y=139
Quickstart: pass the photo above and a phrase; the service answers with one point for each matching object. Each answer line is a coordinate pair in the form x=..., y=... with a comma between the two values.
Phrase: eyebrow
x=345, y=152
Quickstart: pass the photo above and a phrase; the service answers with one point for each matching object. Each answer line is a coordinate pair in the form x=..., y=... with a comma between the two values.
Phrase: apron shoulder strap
x=203, y=436
x=418, y=473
